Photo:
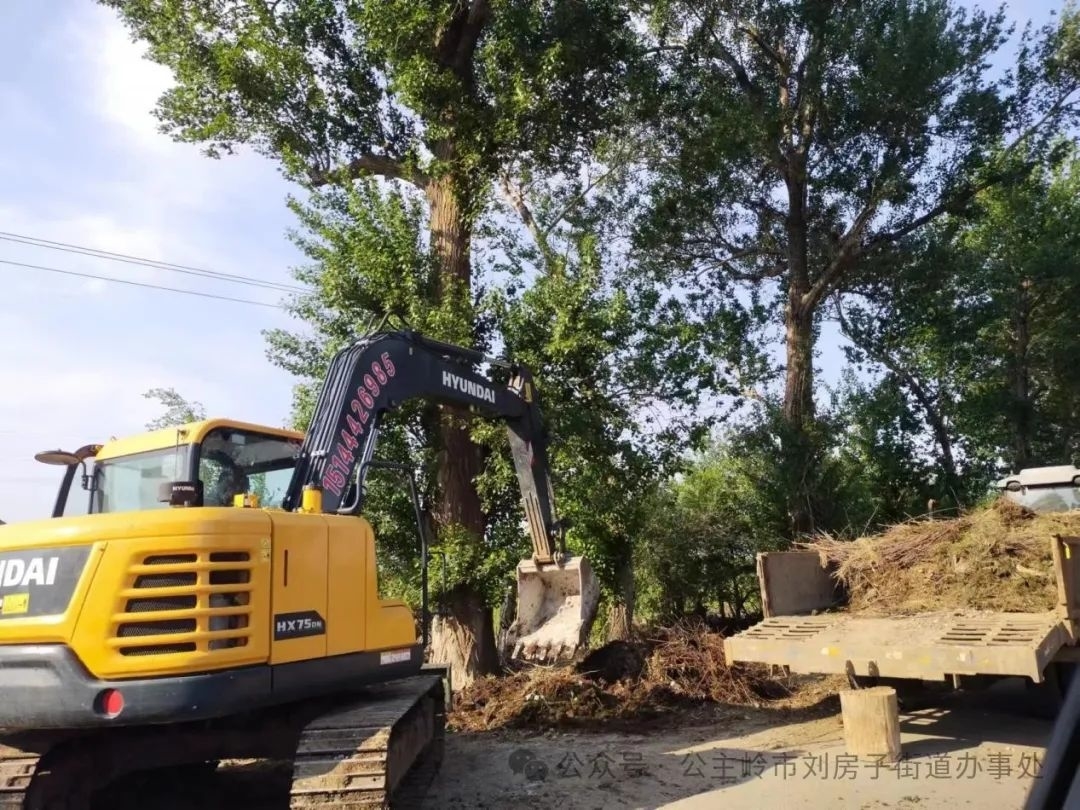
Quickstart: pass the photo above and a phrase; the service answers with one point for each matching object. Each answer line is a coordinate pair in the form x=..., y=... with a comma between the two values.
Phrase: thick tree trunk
x=1021, y=378
x=799, y=346
x=621, y=612
x=465, y=639
x=798, y=412
x=799, y=376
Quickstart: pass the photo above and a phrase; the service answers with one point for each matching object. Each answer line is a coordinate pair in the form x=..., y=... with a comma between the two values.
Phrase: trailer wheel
x=1049, y=696
x=1059, y=677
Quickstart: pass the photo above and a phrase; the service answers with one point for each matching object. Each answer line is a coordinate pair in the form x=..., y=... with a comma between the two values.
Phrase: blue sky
x=81, y=162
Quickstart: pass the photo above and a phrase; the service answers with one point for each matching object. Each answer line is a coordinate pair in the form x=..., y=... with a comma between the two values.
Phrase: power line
x=140, y=284
x=153, y=263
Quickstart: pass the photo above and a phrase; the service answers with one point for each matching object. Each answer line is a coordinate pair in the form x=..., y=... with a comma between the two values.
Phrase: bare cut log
x=871, y=722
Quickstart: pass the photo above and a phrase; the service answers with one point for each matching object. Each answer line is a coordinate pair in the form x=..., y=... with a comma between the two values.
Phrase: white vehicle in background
x=1044, y=489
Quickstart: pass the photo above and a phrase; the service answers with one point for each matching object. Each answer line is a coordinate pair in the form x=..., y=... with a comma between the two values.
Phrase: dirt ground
x=982, y=751
x=968, y=759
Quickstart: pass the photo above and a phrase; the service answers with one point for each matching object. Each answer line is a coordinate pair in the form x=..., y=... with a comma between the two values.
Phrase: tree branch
x=371, y=164
x=971, y=191
x=577, y=198
x=943, y=207
x=807, y=78
x=844, y=259
x=727, y=263
x=775, y=56
x=457, y=44
x=927, y=401
x=743, y=79
x=517, y=199
x=479, y=14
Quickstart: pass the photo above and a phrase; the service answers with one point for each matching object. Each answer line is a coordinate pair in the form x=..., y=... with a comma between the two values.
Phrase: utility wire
x=140, y=284
x=154, y=263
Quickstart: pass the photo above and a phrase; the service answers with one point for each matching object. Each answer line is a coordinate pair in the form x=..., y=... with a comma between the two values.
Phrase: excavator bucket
x=556, y=607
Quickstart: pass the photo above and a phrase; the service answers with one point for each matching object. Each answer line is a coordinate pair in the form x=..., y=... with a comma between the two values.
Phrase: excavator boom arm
x=378, y=373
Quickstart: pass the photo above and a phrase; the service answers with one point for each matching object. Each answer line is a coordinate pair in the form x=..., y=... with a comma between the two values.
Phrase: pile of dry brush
x=635, y=680
x=994, y=558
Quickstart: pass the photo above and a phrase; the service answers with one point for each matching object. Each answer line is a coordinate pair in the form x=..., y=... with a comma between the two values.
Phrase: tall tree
x=606, y=356
x=978, y=324
x=612, y=347
x=436, y=95
x=1023, y=282
x=806, y=137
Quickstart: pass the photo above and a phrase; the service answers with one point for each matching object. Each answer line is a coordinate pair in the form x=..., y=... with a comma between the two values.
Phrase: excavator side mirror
x=59, y=458
x=181, y=493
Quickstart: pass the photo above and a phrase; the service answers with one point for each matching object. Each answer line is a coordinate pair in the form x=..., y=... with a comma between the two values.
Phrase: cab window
x=233, y=462
x=132, y=483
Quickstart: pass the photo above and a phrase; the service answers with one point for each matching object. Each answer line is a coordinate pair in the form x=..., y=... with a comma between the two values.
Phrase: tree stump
x=871, y=722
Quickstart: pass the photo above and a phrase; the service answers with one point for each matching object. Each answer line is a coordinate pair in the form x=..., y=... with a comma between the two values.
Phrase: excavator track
x=16, y=772
x=381, y=751
x=376, y=748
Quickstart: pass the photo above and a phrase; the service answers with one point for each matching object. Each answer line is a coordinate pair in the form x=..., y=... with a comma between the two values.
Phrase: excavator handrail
x=380, y=371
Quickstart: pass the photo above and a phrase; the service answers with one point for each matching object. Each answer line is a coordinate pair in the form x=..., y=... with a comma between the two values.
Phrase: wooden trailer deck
x=796, y=634
x=927, y=646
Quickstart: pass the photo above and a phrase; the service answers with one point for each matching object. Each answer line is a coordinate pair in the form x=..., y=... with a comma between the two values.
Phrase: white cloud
x=77, y=354
x=129, y=85
x=59, y=393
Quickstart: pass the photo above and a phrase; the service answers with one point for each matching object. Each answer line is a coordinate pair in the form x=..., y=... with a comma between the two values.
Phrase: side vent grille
x=183, y=603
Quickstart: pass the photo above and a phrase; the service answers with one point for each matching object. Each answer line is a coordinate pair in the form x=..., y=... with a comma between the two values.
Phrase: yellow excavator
x=219, y=598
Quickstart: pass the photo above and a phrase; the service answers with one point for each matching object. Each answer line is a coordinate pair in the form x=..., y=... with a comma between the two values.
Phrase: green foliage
x=581, y=338
x=802, y=141
x=977, y=328
x=1018, y=286
x=592, y=346
x=440, y=94
x=368, y=259
x=888, y=461
x=178, y=411
x=409, y=89
x=639, y=215
x=704, y=528
x=878, y=110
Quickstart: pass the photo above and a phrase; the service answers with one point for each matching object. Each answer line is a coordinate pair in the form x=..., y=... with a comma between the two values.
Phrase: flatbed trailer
x=805, y=630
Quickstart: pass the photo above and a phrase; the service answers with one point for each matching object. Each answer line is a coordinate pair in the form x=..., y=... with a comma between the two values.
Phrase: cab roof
x=189, y=433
